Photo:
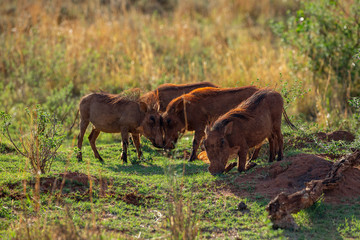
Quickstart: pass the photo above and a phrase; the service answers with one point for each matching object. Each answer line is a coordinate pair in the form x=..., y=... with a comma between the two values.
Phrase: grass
x=54, y=63
x=54, y=52
x=137, y=199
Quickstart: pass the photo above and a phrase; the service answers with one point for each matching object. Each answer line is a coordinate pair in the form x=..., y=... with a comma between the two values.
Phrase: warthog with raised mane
x=246, y=126
x=162, y=96
x=117, y=114
x=193, y=111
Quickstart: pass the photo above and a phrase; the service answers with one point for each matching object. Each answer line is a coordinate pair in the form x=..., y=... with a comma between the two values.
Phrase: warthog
x=194, y=110
x=162, y=96
x=246, y=126
x=117, y=114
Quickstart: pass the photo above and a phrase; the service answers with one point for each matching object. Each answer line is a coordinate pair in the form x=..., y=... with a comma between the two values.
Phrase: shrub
x=40, y=142
x=327, y=31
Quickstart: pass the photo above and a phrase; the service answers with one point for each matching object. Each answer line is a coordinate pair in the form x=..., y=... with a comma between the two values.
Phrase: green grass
x=213, y=203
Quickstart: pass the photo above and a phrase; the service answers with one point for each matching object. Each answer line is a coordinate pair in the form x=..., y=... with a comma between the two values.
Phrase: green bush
x=328, y=32
x=37, y=139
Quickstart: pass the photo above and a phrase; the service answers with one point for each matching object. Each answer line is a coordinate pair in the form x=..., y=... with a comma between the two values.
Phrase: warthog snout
x=157, y=145
x=169, y=145
x=216, y=169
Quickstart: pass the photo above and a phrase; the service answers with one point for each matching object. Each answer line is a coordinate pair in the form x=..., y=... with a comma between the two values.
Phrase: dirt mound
x=74, y=185
x=69, y=183
x=74, y=182
x=136, y=199
x=301, y=142
x=6, y=149
x=291, y=174
x=336, y=136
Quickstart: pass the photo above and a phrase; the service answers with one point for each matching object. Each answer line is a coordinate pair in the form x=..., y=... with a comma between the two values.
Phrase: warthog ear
x=157, y=107
x=228, y=128
x=207, y=130
x=179, y=107
x=143, y=106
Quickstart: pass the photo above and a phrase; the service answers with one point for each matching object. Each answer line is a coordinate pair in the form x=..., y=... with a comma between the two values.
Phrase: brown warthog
x=117, y=114
x=194, y=110
x=244, y=127
x=162, y=96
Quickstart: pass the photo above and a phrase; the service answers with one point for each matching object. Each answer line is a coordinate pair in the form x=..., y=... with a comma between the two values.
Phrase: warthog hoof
x=230, y=166
x=192, y=158
x=124, y=158
x=250, y=165
x=79, y=157
x=101, y=160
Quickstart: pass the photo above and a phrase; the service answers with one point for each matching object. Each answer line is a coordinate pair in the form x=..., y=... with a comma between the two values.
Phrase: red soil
x=291, y=174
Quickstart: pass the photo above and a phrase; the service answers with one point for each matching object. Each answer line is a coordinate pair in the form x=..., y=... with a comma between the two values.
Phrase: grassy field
x=137, y=200
x=54, y=52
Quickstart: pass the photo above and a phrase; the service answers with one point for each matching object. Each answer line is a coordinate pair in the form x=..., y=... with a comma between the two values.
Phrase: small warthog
x=246, y=126
x=117, y=114
x=193, y=111
x=162, y=96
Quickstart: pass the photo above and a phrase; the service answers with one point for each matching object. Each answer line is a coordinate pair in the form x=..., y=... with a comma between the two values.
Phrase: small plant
x=351, y=228
x=293, y=92
x=180, y=217
x=41, y=228
x=40, y=142
x=355, y=104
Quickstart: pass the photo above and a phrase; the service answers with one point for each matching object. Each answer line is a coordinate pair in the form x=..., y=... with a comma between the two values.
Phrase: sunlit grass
x=47, y=47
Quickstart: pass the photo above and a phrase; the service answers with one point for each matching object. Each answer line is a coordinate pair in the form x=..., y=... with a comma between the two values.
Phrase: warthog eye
x=222, y=142
x=152, y=118
x=168, y=121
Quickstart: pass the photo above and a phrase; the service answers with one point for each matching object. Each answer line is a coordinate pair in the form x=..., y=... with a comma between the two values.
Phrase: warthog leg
x=125, y=143
x=280, y=145
x=92, y=138
x=136, y=139
x=83, y=125
x=256, y=153
x=229, y=167
x=272, y=146
x=196, y=142
x=242, y=158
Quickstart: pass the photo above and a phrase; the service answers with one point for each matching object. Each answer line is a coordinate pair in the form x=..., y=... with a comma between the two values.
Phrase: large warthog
x=193, y=111
x=117, y=114
x=162, y=96
x=246, y=126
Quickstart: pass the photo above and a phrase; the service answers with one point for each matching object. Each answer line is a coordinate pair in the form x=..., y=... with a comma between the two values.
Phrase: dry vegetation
x=47, y=45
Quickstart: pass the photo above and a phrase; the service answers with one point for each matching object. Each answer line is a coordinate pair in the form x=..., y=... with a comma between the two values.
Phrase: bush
x=328, y=32
x=40, y=142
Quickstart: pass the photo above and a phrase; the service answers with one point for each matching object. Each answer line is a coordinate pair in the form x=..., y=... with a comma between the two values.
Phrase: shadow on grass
x=152, y=169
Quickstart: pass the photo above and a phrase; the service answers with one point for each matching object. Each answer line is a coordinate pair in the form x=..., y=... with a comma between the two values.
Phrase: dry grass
x=48, y=45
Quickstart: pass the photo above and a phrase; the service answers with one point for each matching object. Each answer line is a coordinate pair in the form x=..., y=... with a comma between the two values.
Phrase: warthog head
x=217, y=148
x=152, y=127
x=173, y=126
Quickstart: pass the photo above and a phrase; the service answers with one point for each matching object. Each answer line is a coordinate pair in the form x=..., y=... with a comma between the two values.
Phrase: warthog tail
x=77, y=115
x=287, y=120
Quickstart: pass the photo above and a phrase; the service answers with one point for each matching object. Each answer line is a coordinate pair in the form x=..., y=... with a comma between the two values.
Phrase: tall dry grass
x=110, y=45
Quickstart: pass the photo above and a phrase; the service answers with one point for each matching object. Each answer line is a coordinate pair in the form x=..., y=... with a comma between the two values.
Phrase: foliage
x=351, y=228
x=180, y=217
x=327, y=31
x=293, y=92
x=67, y=49
x=355, y=103
x=40, y=141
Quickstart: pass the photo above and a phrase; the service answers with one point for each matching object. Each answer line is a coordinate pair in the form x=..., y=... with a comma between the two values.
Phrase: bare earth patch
x=291, y=174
